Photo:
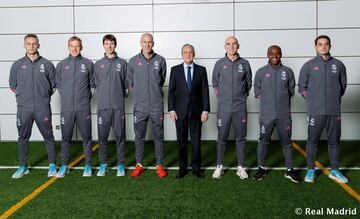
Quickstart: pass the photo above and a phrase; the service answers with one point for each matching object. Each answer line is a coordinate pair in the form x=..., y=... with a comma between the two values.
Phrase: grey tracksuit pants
x=140, y=126
x=83, y=121
x=332, y=125
x=106, y=120
x=239, y=121
x=283, y=127
x=24, y=124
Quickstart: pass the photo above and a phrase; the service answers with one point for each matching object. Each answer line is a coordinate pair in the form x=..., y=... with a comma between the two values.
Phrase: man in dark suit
x=189, y=106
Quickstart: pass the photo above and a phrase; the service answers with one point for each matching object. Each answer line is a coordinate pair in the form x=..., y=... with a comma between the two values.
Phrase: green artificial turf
x=151, y=197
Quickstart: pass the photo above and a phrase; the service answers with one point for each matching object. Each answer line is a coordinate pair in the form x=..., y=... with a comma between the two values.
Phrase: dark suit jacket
x=180, y=100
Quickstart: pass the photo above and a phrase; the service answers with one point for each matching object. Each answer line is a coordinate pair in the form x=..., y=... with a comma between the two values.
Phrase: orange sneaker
x=160, y=171
x=137, y=171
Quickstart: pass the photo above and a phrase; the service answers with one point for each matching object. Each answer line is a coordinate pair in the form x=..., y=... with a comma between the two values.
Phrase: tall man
x=32, y=79
x=322, y=82
x=189, y=105
x=111, y=90
x=146, y=75
x=232, y=83
x=275, y=85
x=74, y=80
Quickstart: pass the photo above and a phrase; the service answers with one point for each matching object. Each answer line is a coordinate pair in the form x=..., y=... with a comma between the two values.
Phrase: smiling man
x=322, y=82
x=189, y=107
x=275, y=85
x=74, y=80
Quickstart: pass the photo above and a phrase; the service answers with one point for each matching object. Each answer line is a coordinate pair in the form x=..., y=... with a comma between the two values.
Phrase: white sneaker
x=218, y=172
x=241, y=172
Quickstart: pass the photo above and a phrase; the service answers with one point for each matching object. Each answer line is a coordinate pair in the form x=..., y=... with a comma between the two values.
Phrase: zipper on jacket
x=232, y=86
x=33, y=83
x=74, y=83
x=110, y=74
x=276, y=92
x=325, y=86
x=148, y=71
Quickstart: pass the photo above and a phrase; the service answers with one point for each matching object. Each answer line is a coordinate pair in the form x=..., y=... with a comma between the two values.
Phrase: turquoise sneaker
x=102, y=170
x=337, y=176
x=87, y=171
x=62, y=171
x=120, y=170
x=52, y=170
x=310, y=176
x=20, y=172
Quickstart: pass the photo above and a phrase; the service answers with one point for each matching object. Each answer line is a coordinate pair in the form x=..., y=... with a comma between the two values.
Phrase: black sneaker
x=292, y=175
x=260, y=173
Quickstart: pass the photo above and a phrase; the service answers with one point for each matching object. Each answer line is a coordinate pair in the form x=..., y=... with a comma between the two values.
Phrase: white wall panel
x=52, y=47
x=8, y=101
x=193, y=17
x=34, y=3
x=48, y=20
x=189, y=1
x=4, y=73
x=352, y=68
x=255, y=44
x=111, y=2
x=113, y=18
x=275, y=15
x=339, y=14
x=166, y=46
x=344, y=42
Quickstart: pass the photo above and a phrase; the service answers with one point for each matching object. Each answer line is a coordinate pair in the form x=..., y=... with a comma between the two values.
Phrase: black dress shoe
x=180, y=175
x=199, y=174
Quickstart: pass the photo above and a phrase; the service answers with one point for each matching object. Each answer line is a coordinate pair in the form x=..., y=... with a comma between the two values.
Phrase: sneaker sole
x=219, y=177
x=51, y=174
x=289, y=177
x=336, y=179
x=241, y=177
x=18, y=177
x=121, y=174
x=309, y=181
x=141, y=172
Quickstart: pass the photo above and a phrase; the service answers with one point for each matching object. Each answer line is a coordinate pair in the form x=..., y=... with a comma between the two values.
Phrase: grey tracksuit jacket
x=232, y=80
x=33, y=82
x=146, y=78
x=74, y=80
x=275, y=86
x=110, y=83
x=323, y=83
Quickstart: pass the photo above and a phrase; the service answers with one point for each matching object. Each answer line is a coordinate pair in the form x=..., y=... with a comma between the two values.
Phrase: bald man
x=275, y=85
x=232, y=80
x=146, y=74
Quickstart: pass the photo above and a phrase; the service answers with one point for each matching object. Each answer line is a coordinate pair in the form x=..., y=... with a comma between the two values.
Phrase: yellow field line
x=37, y=191
x=346, y=187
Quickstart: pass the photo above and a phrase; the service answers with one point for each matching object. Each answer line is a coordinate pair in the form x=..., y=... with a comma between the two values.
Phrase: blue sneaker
x=337, y=176
x=102, y=170
x=120, y=170
x=62, y=171
x=52, y=170
x=87, y=171
x=22, y=170
x=310, y=176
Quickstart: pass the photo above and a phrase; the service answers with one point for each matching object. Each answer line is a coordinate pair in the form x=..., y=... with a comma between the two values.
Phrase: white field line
x=176, y=168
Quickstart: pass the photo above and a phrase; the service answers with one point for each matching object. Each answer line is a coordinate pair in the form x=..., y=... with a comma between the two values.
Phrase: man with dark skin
x=275, y=85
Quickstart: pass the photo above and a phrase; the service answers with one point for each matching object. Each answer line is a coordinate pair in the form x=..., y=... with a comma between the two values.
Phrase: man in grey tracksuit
x=274, y=85
x=32, y=79
x=322, y=82
x=111, y=89
x=232, y=78
x=146, y=75
x=74, y=80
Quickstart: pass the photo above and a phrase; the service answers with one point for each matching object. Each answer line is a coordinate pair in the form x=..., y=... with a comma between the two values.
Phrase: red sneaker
x=137, y=171
x=160, y=171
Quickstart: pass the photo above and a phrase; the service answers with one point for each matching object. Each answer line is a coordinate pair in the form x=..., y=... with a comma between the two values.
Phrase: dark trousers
x=182, y=127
